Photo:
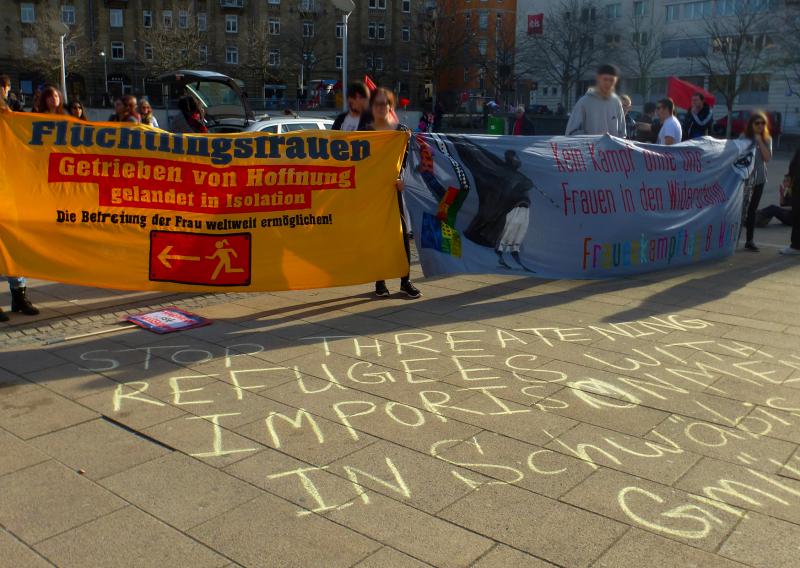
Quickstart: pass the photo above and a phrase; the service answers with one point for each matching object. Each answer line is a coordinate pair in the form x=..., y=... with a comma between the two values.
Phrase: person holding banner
x=794, y=174
x=357, y=116
x=51, y=101
x=671, y=131
x=757, y=132
x=599, y=111
x=382, y=104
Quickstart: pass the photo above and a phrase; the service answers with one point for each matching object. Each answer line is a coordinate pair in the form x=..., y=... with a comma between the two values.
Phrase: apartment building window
x=405, y=33
x=339, y=61
x=29, y=46
x=755, y=89
x=339, y=30
x=166, y=18
x=483, y=20
x=640, y=39
x=376, y=30
x=68, y=15
x=183, y=19
x=498, y=22
x=231, y=24
x=27, y=13
x=306, y=5
x=468, y=21
x=379, y=63
x=405, y=66
x=116, y=18
x=274, y=26
x=697, y=10
x=377, y=4
x=406, y=6
x=482, y=44
x=231, y=55
x=588, y=14
x=148, y=52
x=274, y=58
x=70, y=50
x=202, y=22
x=613, y=40
x=147, y=19
x=674, y=48
x=640, y=8
x=203, y=52
x=274, y=2
x=614, y=11
x=673, y=12
x=369, y=62
x=117, y=50
x=308, y=29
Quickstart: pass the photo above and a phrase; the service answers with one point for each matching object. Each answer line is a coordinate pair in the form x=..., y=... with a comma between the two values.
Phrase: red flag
x=370, y=83
x=681, y=93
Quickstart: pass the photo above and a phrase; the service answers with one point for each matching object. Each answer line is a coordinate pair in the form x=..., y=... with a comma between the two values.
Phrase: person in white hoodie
x=599, y=111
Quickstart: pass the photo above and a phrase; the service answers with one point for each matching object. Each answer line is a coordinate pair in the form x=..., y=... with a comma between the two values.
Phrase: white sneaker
x=790, y=251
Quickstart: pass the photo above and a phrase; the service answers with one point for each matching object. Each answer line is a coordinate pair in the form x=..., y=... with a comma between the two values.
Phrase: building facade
x=282, y=51
x=675, y=35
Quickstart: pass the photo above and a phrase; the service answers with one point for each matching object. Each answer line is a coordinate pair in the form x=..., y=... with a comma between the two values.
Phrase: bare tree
x=177, y=46
x=42, y=50
x=444, y=45
x=566, y=50
x=738, y=48
x=302, y=43
x=259, y=45
x=499, y=71
x=636, y=46
x=789, y=55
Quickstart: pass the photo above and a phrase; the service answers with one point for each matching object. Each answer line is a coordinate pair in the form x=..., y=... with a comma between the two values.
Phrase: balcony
x=231, y=3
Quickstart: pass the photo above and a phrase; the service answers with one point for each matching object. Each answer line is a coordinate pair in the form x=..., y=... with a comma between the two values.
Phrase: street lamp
x=346, y=6
x=62, y=30
x=105, y=73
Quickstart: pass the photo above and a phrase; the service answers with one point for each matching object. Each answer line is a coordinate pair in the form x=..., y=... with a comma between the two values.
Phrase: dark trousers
x=782, y=214
x=796, y=216
x=406, y=240
x=752, y=208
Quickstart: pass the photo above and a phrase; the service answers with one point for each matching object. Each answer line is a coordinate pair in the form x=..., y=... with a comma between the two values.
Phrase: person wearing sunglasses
x=757, y=131
x=76, y=110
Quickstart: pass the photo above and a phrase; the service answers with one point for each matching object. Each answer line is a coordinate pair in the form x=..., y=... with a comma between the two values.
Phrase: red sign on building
x=535, y=23
x=200, y=258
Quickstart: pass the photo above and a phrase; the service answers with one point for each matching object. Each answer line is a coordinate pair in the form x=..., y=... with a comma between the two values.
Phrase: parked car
x=739, y=123
x=290, y=124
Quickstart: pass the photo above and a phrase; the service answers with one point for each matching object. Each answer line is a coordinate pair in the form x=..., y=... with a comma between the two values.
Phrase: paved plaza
x=497, y=421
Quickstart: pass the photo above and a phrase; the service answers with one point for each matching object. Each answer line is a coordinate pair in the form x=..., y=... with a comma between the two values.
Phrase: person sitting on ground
x=599, y=111
x=190, y=118
x=670, y=132
x=699, y=118
x=783, y=211
x=522, y=126
x=146, y=114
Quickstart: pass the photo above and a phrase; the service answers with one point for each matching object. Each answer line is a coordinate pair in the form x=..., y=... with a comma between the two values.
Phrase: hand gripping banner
x=130, y=207
x=579, y=207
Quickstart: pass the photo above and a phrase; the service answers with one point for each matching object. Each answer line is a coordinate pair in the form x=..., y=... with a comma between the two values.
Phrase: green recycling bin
x=496, y=125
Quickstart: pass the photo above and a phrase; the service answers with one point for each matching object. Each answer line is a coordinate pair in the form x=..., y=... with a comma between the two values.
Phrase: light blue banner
x=578, y=207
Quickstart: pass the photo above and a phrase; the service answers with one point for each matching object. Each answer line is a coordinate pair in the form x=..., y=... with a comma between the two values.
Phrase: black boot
x=21, y=303
x=3, y=316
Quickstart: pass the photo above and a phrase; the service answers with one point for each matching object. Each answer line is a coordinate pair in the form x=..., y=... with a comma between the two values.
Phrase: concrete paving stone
x=46, y=499
x=693, y=520
x=127, y=538
x=661, y=463
x=772, y=338
x=266, y=532
x=311, y=488
x=723, y=443
x=29, y=359
x=205, y=437
x=502, y=556
x=510, y=461
x=744, y=488
x=386, y=557
x=642, y=548
x=791, y=468
x=16, y=454
x=37, y=411
x=763, y=542
x=278, y=349
x=313, y=439
x=15, y=554
x=536, y=524
x=179, y=490
x=241, y=406
x=412, y=531
x=593, y=408
x=129, y=404
x=70, y=382
x=432, y=484
x=98, y=447
x=778, y=396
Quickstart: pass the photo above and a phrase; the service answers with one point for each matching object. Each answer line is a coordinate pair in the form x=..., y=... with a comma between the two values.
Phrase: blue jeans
x=16, y=282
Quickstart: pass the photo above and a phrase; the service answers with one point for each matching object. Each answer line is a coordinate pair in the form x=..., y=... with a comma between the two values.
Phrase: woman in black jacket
x=794, y=173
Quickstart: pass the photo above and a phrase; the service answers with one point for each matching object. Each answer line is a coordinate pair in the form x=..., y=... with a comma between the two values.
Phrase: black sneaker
x=381, y=290
x=410, y=290
x=751, y=246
